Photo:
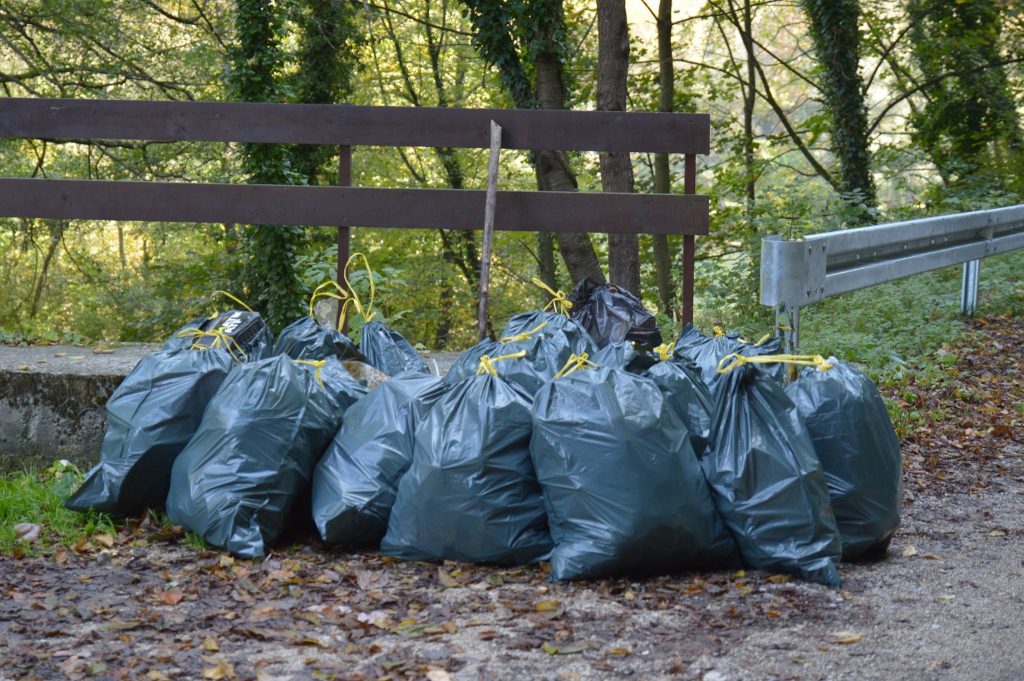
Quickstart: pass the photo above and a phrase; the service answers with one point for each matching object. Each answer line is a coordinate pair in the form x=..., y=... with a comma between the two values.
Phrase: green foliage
x=37, y=498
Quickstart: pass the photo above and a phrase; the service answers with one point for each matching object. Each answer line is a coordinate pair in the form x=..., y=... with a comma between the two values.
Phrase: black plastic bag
x=544, y=353
x=249, y=334
x=859, y=451
x=151, y=416
x=253, y=455
x=612, y=314
x=767, y=481
x=354, y=484
x=687, y=394
x=471, y=493
x=389, y=351
x=707, y=351
x=623, y=490
x=305, y=338
x=181, y=338
x=551, y=322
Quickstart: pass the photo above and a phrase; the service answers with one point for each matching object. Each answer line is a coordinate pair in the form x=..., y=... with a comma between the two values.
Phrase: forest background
x=825, y=115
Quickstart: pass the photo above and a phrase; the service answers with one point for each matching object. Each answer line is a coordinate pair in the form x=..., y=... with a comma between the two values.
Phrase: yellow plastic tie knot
x=575, y=363
x=730, y=362
x=319, y=364
x=221, y=341
x=664, y=352
x=718, y=330
x=487, y=362
x=351, y=299
x=525, y=335
x=559, y=301
x=232, y=298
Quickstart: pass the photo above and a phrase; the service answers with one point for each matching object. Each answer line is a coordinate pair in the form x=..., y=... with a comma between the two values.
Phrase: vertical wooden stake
x=344, y=233
x=485, y=253
x=689, y=187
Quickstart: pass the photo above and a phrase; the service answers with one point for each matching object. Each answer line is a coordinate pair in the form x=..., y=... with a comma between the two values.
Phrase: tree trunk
x=834, y=31
x=56, y=232
x=662, y=173
x=616, y=167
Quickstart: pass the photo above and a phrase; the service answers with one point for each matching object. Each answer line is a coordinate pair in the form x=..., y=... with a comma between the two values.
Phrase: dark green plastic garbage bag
x=767, y=482
x=154, y=412
x=389, y=351
x=471, y=493
x=253, y=455
x=355, y=482
x=151, y=416
x=305, y=338
x=551, y=322
x=623, y=489
x=180, y=338
x=624, y=355
x=545, y=355
x=686, y=393
x=859, y=451
x=707, y=351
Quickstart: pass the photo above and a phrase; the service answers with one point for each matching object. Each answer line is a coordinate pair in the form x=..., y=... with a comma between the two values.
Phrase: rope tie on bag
x=575, y=363
x=796, y=360
x=524, y=336
x=221, y=341
x=351, y=298
x=559, y=301
x=487, y=362
x=664, y=352
x=319, y=364
x=232, y=298
x=718, y=330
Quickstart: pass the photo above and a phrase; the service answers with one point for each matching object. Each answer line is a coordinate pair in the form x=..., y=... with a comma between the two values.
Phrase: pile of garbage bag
x=576, y=437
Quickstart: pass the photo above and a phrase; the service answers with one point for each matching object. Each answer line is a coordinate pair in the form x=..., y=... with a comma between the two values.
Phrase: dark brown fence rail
x=346, y=126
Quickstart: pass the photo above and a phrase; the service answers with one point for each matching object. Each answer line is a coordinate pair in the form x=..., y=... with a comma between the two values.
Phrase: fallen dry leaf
x=27, y=531
x=446, y=579
x=909, y=551
x=104, y=540
x=547, y=605
x=845, y=637
x=210, y=643
x=172, y=597
x=222, y=670
x=438, y=675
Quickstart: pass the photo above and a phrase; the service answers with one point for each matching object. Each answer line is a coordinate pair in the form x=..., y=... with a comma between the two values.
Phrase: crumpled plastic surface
x=546, y=354
x=151, y=416
x=471, y=493
x=253, y=455
x=624, y=355
x=623, y=490
x=305, y=338
x=578, y=338
x=687, y=394
x=767, y=481
x=707, y=351
x=612, y=314
x=354, y=484
x=388, y=350
x=248, y=329
x=859, y=451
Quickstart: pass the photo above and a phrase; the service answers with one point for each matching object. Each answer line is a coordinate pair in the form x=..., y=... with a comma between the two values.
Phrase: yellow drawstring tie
x=559, y=301
x=487, y=362
x=319, y=293
x=525, y=335
x=718, y=330
x=221, y=341
x=319, y=364
x=664, y=351
x=351, y=298
x=231, y=297
x=576, y=362
x=797, y=360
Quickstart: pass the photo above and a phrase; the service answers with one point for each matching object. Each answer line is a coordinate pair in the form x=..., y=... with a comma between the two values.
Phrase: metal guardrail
x=795, y=274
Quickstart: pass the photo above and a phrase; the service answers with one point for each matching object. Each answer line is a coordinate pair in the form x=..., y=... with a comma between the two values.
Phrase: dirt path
x=948, y=603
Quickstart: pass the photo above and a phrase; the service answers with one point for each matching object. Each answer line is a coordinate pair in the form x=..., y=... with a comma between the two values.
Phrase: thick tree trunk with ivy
x=969, y=120
x=616, y=168
x=327, y=56
x=836, y=36
x=539, y=23
x=256, y=59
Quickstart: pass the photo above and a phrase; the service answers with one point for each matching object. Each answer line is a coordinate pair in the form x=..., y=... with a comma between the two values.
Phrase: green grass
x=37, y=497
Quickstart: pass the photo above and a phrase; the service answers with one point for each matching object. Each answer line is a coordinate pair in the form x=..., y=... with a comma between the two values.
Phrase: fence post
x=969, y=287
x=485, y=254
x=689, y=187
x=344, y=232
